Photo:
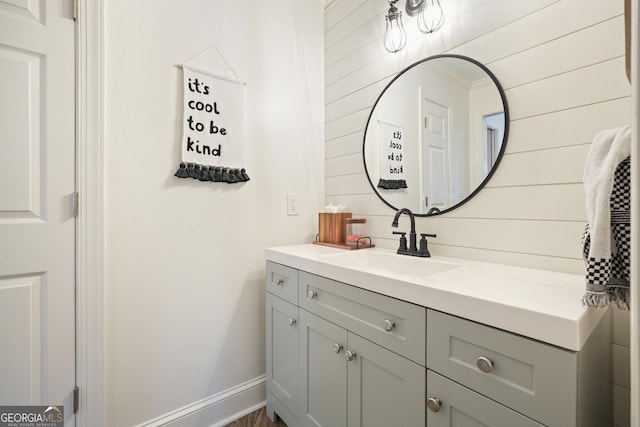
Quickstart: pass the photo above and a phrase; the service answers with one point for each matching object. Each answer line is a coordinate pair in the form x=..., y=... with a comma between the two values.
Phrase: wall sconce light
x=395, y=37
x=431, y=16
x=430, y=19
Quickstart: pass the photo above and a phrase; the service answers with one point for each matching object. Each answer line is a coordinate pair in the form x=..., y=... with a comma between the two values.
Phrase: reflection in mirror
x=436, y=134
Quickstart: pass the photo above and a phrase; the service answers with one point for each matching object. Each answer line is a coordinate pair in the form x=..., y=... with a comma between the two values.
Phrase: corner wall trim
x=91, y=375
x=635, y=216
x=218, y=409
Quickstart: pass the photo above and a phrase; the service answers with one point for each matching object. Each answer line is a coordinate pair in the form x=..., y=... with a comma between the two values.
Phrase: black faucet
x=413, y=247
x=412, y=234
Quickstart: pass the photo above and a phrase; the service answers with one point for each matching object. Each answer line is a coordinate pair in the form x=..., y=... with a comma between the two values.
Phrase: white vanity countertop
x=539, y=304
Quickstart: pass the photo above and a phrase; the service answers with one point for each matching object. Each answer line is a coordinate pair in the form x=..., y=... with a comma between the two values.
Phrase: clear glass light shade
x=395, y=36
x=431, y=16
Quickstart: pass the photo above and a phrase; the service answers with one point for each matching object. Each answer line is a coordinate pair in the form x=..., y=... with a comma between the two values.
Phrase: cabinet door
x=282, y=350
x=461, y=407
x=323, y=373
x=384, y=389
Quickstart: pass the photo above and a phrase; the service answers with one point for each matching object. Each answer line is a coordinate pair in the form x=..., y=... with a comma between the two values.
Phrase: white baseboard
x=217, y=410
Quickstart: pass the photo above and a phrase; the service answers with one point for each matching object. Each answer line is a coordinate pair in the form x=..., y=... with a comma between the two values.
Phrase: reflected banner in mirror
x=453, y=120
x=391, y=157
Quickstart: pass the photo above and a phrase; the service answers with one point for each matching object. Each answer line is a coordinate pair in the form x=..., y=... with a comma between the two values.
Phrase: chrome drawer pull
x=349, y=355
x=433, y=403
x=388, y=325
x=292, y=322
x=484, y=364
x=337, y=348
x=279, y=283
x=311, y=294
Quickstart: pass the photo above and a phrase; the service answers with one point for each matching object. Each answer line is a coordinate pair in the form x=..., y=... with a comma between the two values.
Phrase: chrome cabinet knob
x=388, y=325
x=279, y=283
x=337, y=348
x=484, y=364
x=349, y=355
x=433, y=403
x=311, y=294
x=292, y=322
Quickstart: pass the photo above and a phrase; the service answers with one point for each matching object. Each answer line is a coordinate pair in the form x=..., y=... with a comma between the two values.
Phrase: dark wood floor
x=256, y=419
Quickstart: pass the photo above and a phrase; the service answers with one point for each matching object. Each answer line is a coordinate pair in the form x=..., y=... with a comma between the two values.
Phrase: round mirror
x=436, y=134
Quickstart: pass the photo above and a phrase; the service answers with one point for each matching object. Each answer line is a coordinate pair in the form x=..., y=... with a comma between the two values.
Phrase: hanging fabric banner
x=213, y=128
x=391, y=157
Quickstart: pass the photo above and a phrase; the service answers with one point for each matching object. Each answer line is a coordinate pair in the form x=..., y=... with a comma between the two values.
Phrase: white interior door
x=435, y=142
x=37, y=226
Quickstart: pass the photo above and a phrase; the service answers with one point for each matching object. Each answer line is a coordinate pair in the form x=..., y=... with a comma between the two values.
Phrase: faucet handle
x=403, y=240
x=424, y=250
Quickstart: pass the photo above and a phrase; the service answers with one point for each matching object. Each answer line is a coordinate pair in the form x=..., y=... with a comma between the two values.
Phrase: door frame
x=91, y=323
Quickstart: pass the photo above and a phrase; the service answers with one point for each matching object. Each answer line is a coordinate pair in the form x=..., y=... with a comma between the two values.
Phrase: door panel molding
x=30, y=10
x=21, y=164
x=21, y=316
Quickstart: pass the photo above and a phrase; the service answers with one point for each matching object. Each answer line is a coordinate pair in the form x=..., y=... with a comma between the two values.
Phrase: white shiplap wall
x=561, y=63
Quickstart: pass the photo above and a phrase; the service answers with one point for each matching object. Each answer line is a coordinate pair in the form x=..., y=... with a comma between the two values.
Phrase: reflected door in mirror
x=437, y=176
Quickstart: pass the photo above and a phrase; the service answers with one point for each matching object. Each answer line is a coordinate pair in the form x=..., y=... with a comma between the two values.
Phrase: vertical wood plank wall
x=562, y=65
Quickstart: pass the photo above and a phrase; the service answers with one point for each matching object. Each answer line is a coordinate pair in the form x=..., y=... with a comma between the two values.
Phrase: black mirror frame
x=502, y=148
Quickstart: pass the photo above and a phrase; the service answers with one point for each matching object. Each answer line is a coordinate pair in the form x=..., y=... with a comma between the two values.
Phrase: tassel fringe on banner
x=392, y=184
x=212, y=173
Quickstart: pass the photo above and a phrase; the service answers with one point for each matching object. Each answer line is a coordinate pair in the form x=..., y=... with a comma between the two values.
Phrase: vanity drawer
x=396, y=325
x=456, y=405
x=533, y=378
x=282, y=281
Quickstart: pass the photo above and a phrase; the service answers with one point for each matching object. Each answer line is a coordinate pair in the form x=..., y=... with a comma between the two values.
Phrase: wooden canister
x=333, y=227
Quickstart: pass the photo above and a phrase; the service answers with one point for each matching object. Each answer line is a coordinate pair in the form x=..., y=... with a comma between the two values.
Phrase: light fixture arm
x=412, y=7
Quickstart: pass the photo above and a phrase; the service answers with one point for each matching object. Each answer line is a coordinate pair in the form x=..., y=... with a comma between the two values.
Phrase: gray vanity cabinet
x=342, y=356
x=282, y=325
x=535, y=379
x=282, y=350
x=472, y=366
x=355, y=358
x=348, y=374
x=347, y=380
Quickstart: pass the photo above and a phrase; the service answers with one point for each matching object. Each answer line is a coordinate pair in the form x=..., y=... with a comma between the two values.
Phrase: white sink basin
x=389, y=263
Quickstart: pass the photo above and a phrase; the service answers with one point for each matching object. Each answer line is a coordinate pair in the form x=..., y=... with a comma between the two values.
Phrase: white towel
x=608, y=150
